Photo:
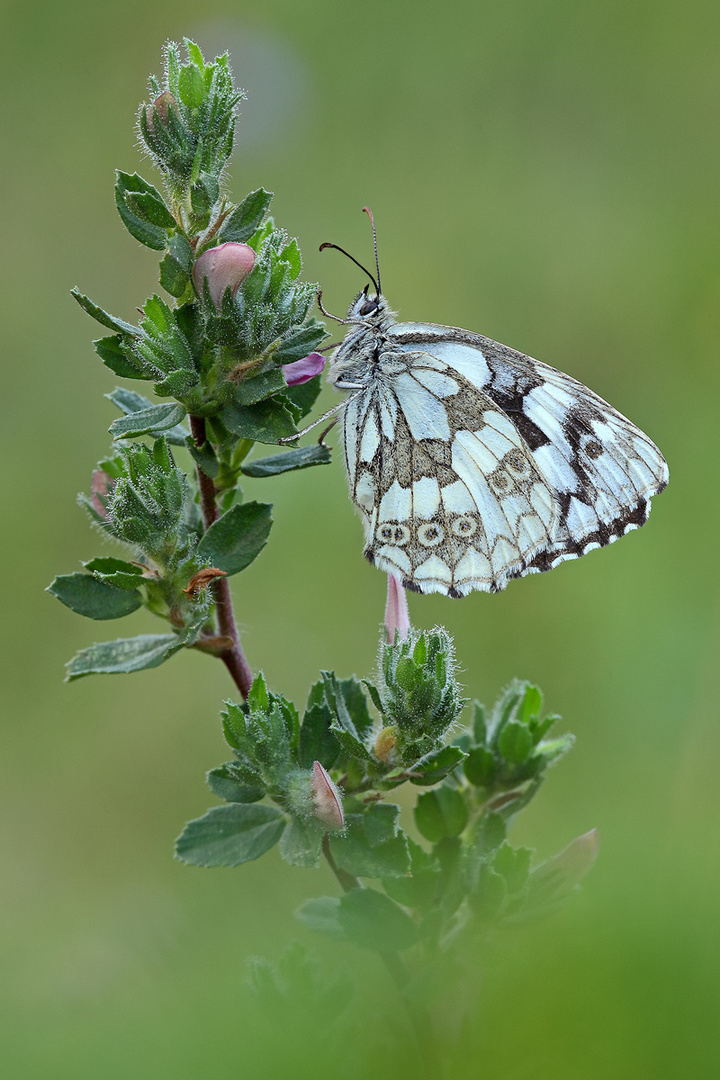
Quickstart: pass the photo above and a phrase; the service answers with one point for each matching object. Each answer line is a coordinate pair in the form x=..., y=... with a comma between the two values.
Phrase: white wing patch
x=473, y=464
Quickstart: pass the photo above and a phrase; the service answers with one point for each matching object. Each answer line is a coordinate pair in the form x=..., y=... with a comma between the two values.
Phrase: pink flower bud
x=568, y=867
x=301, y=371
x=223, y=267
x=326, y=798
x=397, y=618
x=101, y=487
x=160, y=105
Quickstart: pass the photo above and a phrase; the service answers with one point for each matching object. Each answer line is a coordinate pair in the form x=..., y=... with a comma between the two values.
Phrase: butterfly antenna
x=368, y=211
x=363, y=268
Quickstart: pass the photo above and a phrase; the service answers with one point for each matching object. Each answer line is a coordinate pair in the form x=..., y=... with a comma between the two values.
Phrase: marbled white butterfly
x=471, y=463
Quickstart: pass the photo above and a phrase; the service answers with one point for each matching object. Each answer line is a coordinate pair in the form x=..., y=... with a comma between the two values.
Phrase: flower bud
x=418, y=690
x=570, y=865
x=101, y=488
x=397, y=620
x=385, y=743
x=160, y=106
x=223, y=267
x=301, y=371
x=327, y=800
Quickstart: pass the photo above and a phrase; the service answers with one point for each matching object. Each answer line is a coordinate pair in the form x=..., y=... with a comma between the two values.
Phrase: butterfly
x=472, y=464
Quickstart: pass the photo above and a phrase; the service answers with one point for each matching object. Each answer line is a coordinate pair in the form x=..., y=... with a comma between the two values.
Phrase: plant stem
x=233, y=657
x=392, y=961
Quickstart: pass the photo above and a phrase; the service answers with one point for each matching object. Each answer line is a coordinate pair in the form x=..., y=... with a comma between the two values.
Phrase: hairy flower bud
x=160, y=106
x=301, y=371
x=223, y=267
x=326, y=799
x=101, y=488
x=420, y=697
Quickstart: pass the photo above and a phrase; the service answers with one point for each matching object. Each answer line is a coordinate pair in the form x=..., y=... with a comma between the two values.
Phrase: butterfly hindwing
x=451, y=498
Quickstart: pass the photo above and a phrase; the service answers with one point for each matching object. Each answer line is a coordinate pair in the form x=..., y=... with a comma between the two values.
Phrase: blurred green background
x=544, y=172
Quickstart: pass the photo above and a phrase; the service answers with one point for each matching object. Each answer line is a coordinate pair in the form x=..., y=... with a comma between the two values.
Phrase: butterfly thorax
x=363, y=355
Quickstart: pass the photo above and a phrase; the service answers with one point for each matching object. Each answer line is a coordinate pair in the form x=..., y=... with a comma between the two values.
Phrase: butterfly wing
x=473, y=464
x=452, y=500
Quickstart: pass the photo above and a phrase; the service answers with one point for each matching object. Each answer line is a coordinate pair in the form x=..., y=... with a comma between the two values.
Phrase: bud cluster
x=265, y=733
x=189, y=127
x=151, y=504
x=418, y=693
x=507, y=750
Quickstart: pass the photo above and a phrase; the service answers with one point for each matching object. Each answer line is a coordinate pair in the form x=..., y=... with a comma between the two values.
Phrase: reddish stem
x=233, y=657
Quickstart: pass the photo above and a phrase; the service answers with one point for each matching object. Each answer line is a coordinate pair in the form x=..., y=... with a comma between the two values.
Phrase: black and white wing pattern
x=473, y=464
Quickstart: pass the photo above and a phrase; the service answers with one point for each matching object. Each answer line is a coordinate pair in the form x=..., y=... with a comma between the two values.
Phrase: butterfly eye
x=368, y=307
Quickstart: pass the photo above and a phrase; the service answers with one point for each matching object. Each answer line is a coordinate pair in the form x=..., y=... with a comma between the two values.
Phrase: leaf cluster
x=463, y=874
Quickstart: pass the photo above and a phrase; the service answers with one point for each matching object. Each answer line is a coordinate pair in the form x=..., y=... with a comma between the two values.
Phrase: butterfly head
x=368, y=310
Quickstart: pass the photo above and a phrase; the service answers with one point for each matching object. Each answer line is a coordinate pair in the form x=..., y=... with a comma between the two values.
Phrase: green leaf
x=191, y=86
x=151, y=208
x=317, y=742
x=302, y=397
x=351, y=746
x=179, y=248
x=441, y=813
x=267, y=422
x=235, y=539
x=289, y=461
x=300, y=843
x=491, y=833
x=124, y=655
x=94, y=599
x=204, y=456
x=173, y=278
x=356, y=705
x=435, y=766
x=152, y=421
x=531, y=705
x=152, y=236
x=321, y=914
x=374, y=921
x=552, y=749
x=298, y=343
x=246, y=218
x=226, y=786
x=291, y=254
x=113, y=357
x=513, y=864
x=374, y=696
x=251, y=390
x=230, y=835
x=489, y=896
x=479, y=723
x=381, y=823
x=177, y=384
x=354, y=853
x=480, y=767
x=342, y=724
x=103, y=317
x=419, y=890
x=130, y=402
x=515, y=742
x=107, y=565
